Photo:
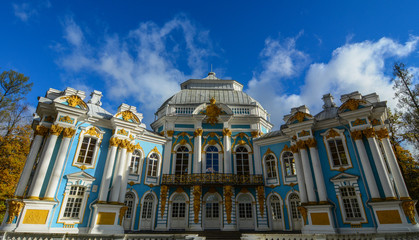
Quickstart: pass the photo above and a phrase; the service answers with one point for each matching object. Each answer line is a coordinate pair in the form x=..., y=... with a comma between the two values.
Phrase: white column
x=166, y=157
x=42, y=168
x=227, y=150
x=58, y=165
x=379, y=164
x=107, y=173
x=117, y=178
x=197, y=160
x=395, y=170
x=318, y=172
x=307, y=172
x=40, y=132
x=300, y=175
x=124, y=182
x=366, y=166
x=257, y=159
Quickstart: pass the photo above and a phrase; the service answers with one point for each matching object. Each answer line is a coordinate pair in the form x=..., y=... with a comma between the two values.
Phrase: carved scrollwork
x=41, y=130
x=198, y=132
x=196, y=202
x=69, y=132
x=228, y=193
x=56, y=130
x=15, y=207
x=226, y=132
x=409, y=210
x=163, y=195
x=303, y=212
x=356, y=135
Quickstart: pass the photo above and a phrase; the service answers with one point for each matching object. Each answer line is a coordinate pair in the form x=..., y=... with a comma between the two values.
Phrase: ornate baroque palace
x=210, y=162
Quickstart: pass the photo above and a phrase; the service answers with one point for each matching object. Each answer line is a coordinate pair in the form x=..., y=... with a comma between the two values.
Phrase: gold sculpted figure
x=196, y=202
x=228, y=193
x=14, y=210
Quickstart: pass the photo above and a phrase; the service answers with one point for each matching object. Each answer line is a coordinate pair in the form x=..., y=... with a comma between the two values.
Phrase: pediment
x=80, y=176
x=344, y=177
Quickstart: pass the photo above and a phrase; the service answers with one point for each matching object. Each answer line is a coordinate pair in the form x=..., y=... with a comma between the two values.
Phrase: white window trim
x=289, y=208
x=149, y=179
x=140, y=163
x=254, y=212
x=348, y=180
x=85, y=132
x=270, y=181
x=288, y=179
x=189, y=157
x=270, y=218
x=134, y=208
x=220, y=158
x=169, y=216
x=341, y=137
x=249, y=152
x=81, y=179
x=153, y=212
x=220, y=207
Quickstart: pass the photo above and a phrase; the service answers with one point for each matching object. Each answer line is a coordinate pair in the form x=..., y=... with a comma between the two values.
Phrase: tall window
x=212, y=207
x=87, y=150
x=338, y=152
x=129, y=202
x=135, y=162
x=147, y=207
x=182, y=159
x=289, y=163
x=295, y=203
x=212, y=160
x=270, y=166
x=245, y=207
x=242, y=161
x=152, y=165
x=275, y=208
x=178, y=207
x=350, y=203
x=74, y=202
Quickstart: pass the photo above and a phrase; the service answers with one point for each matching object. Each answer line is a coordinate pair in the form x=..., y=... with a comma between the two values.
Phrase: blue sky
x=285, y=53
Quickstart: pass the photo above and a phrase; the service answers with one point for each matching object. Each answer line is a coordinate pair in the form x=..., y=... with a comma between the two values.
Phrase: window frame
x=153, y=211
x=250, y=158
x=79, y=179
x=153, y=179
x=93, y=133
x=174, y=158
x=270, y=180
x=336, y=134
x=220, y=158
x=140, y=160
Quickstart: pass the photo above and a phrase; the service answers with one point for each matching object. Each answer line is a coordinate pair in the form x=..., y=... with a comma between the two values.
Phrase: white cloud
x=352, y=67
x=142, y=66
x=25, y=10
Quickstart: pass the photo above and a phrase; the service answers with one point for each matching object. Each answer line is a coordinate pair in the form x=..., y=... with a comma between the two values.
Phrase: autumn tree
x=15, y=132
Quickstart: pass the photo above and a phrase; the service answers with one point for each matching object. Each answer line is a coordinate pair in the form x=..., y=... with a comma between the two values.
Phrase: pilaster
x=107, y=173
x=318, y=172
x=300, y=174
x=308, y=177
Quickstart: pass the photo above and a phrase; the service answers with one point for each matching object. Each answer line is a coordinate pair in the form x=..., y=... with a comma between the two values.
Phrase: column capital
x=124, y=143
x=356, y=134
x=301, y=144
x=130, y=147
x=294, y=148
x=114, y=142
x=382, y=133
x=369, y=132
x=311, y=142
x=227, y=132
x=69, y=132
x=41, y=130
x=170, y=133
x=56, y=130
x=198, y=132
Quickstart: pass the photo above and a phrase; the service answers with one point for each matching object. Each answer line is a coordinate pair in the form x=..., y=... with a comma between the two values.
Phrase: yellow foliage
x=13, y=151
x=410, y=170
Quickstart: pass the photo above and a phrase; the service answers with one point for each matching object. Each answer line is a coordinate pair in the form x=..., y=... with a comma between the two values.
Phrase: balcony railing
x=212, y=179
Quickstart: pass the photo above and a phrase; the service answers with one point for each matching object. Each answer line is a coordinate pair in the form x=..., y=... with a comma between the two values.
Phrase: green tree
x=407, y=94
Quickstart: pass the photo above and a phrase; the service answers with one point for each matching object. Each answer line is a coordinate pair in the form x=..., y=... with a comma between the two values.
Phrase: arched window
x=152, y=165
x=129, y=202
x=289, y=163
x=182, y=159
x=242, y=161
x=212, y=162
x=135, y=162
x=275, y=208
x=147, y=207
x=295, y=203
x=270, y=162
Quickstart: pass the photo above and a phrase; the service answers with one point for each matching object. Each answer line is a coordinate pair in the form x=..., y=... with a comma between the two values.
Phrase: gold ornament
x=332, y=133
x=241, y=142
x=93, y=131
x=122, y=132
x=74, y=101
x=114, y=142
x=382, y=133
x=212, y=112
x=69, y=132
x=358, y=122
x=356, y=135
x=170, y=133
x=198, y=132
x=303, y=212
x=294, y=149
x=130, y=148
x=196, y=202
x=66, y=119
x=375, y=122
x=409, y=210
x=15, y=207
x=261, y=198
x=226, y=132
x=163, y=195
x=301, y=144
x=228, y=193
x=369, y=132
x=183, y=142
x=56, y=130
x=49, y=119
x=311, y=143
x=41, y=130
x=299, y=116
x=122, y=213
x=124, y=143
x=304, y=133
x=351, y=104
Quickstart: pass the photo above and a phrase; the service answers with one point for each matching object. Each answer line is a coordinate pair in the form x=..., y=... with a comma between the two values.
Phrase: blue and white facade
x=210, y=162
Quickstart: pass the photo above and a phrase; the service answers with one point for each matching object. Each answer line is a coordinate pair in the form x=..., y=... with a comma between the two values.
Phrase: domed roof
x=198, y=91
